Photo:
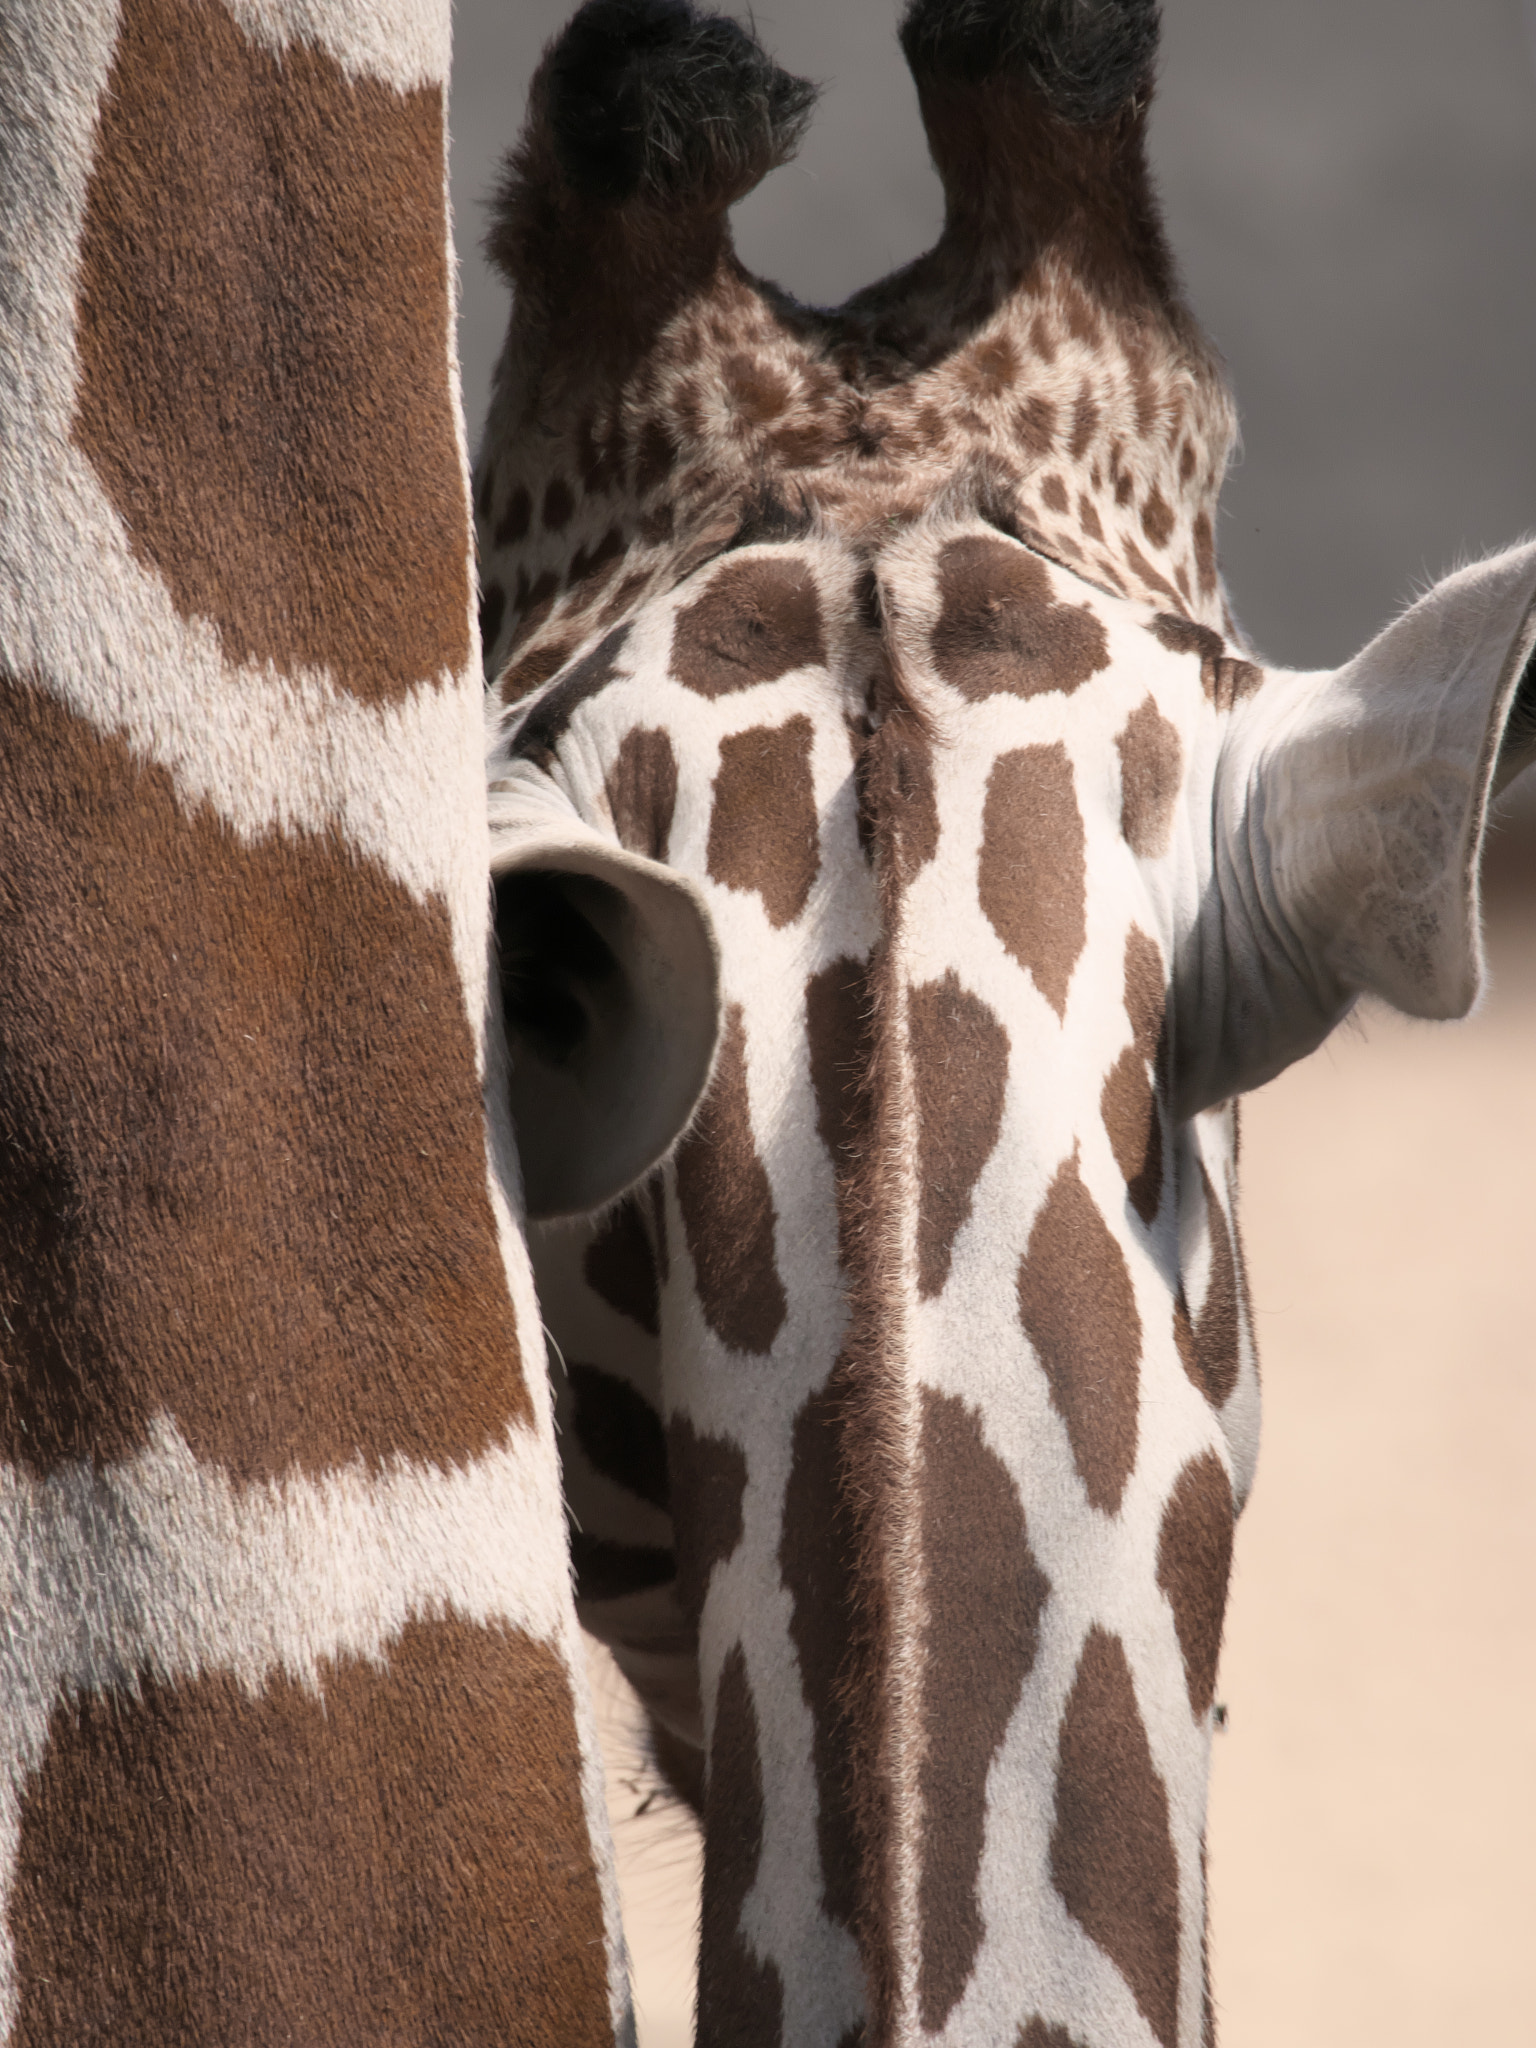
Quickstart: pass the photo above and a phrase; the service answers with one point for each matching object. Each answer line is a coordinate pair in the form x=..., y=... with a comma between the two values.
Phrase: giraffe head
x=909, y=1409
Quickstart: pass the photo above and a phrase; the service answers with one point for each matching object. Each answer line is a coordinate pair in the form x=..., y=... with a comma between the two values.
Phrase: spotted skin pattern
x=294, y=1739
x=915, y=661
x=1038, y=1300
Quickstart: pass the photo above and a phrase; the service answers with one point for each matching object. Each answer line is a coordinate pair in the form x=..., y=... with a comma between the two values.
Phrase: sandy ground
x=1374, y=1797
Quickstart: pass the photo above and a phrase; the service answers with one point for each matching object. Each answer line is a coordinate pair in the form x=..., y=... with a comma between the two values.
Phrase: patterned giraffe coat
x=294, y=1743
x=909, y=1406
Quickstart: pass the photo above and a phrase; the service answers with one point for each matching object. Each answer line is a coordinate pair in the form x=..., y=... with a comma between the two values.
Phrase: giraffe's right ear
x=610, y=981
x=1350, y=807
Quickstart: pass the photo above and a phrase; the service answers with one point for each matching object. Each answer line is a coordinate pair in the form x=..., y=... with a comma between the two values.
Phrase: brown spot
x=559, y=504
x=1143, y=390
x=1088, y=519
x=757, y=391
x=1157, y=520
x=1194, y=1558
x=762, y=828
x=515, y=521
x=620, y=1267
x=839, y=1041
x=984, y=1597
x=1079, y=1312
x=1035, y=425
x=817, y=1554
x=960, y=1079
x=897, y=803
x=264, y=348
x=1146, y=998
x=1129, y=1104
x=990, y=367
x=1205, y=554
x=531, y=671
x=1032, y=876
x=1085, y=422
x=1152, y=579
x=727, y=1204
x=1151, y=777
x=1131, y=1116
x=1188, y=462
x=1225, y=680
x=708, y=1478
x=1036, y=2034
x=619, y=1432
x=1216, y=1348
x=741, y=1999
x=1001, y=628
x=399, y=1855
x=756, y=620
x=1053, y=494
x=242, y=1160
x=1112, y=1857
x=641, y=788
x=543, y=729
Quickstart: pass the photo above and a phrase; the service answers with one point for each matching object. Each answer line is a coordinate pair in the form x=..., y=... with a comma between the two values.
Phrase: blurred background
x=1351, y=188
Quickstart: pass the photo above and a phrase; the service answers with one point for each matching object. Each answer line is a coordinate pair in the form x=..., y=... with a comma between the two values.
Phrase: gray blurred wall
x=1351, y=187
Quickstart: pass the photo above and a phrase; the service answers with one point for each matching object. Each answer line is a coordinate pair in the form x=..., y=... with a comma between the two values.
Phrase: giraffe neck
x=293, y=1743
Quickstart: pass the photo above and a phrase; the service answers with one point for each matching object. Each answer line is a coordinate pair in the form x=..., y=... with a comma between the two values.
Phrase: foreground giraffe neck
x=293, y=1737
x=908, y=1408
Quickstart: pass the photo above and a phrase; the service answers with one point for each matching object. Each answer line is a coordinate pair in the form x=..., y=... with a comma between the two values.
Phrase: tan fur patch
x=763, y=832
x=984, y=1593
x=1001, y=627
x=1112, y=1856
x=727, y=1204
x=276, y=433
x=1194, y=1560
x=242, y=1159
x=1079, y=1312
x=392, y=1858
x=959, y=1053
x=741, y=2000
x=1033, y=872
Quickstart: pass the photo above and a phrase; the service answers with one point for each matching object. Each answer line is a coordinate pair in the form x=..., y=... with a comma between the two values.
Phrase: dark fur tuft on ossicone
x=653, y=97
x=1085, y=57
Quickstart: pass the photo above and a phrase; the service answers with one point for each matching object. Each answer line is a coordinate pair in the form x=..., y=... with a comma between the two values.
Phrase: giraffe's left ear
x=610, y=981
x=1349, y=815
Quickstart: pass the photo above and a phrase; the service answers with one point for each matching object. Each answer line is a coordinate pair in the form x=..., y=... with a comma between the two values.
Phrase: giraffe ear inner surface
x=609, y=978
x=1351, y=807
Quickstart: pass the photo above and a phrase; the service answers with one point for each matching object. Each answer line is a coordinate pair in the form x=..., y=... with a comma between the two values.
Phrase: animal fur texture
x=907, y=1410
x=294, y=1739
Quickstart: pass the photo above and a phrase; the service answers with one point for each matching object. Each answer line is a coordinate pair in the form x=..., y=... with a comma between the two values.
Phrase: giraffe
x=908, y=1406
x=294, y=1736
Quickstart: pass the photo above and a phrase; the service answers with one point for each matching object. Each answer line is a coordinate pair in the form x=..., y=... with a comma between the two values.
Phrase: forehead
x=962, y=613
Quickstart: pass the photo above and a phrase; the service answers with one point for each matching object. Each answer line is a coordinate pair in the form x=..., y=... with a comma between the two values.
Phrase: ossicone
x=654, y=98
x=1086, y=58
